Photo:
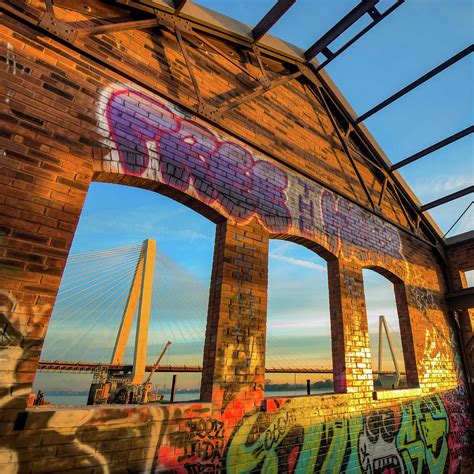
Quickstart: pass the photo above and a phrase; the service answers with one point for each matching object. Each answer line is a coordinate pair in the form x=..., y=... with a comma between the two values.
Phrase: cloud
x=298, y=262
x=441, y=185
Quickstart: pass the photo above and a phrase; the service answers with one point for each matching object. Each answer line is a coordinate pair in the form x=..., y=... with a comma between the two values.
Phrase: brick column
x=352, y=363
x=409, y=355
x=41, y=198
x=234, y=353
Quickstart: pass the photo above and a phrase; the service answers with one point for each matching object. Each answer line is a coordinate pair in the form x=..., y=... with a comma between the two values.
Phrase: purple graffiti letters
x=189, y=154
x=353, y=225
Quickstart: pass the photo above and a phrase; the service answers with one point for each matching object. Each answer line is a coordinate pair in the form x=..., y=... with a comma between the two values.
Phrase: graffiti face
x=266, y=443
x=377, y=449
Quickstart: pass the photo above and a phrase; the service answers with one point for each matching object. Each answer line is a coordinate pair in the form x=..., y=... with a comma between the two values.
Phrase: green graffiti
x=422, y=439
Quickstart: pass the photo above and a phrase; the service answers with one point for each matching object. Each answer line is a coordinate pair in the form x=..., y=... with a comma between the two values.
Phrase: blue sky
x=418, y=36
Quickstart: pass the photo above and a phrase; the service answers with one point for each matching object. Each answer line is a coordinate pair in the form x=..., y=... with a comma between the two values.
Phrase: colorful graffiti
x=410, y=438
x=288, y=436
x=160, y=143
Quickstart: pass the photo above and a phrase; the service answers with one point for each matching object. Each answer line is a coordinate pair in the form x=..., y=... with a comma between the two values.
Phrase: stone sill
x=316, y=400
x=397, y=393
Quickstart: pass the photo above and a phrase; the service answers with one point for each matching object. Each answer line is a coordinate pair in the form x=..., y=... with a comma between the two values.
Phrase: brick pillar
x=41, y=197
x=406, y=333
x=234, y=353
x=352, y=363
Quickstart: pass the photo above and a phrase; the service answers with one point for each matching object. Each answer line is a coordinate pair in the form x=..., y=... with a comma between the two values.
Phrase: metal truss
x=356, y=145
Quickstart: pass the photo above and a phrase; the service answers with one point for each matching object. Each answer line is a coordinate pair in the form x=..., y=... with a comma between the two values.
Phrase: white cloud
x=441, y=184
x=298, y=262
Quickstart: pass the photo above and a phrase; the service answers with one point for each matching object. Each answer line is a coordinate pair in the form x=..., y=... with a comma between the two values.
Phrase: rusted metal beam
x=452, y=60
x=275, y=13
x=448, y=198
x=461, y=299
x=362, y=134
x=398, y=198
x=49, y=7
x=315, y=89
x=382, y=192
x=188, y=65
x=224, y=55
x=432, y=148
x=355, y=14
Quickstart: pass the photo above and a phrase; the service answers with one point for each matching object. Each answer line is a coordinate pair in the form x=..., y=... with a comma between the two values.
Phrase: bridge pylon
x=139, y=296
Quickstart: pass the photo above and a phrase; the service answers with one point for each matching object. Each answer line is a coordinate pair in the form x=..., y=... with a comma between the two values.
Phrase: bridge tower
x=139, y=296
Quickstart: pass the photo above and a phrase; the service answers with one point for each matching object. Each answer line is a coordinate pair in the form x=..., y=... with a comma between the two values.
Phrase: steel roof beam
x=448, y=198
x=178, y=5
x=365, y=6
x=433, y=148
x=275, y=13
x=454, y=59
x=334, y=54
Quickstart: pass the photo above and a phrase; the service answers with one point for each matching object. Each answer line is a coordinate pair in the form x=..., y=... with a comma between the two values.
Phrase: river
x=75, y=400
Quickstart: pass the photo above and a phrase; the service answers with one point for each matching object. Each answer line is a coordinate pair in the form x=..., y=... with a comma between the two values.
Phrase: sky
x=415, y=38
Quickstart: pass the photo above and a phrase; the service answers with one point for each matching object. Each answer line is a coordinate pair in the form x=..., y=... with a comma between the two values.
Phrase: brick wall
x=66, y=121
x=460, y=260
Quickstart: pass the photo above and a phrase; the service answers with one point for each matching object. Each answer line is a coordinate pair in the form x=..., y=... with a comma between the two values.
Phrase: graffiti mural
x=289, y=436
x=161, y=143
x=150, y=138
x=412, y=438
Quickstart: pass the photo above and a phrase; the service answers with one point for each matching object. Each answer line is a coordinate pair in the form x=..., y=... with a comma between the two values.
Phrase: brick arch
x=187, y=200
x=316, y=245
x=390, y=275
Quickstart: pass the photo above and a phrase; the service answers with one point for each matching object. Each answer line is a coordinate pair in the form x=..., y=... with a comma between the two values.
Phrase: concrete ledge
x=397, y=393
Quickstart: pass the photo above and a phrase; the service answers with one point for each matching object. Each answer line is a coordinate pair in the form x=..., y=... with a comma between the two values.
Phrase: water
x=75, y=400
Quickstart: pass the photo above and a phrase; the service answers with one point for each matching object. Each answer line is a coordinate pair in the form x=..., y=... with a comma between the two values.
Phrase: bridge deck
x=91, y=367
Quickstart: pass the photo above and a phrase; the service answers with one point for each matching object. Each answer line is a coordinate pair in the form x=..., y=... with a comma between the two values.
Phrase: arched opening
x=391, y=342
x=298, y=343
x=109, y=263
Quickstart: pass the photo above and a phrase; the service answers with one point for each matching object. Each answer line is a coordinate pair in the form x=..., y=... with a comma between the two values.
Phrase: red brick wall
x=461, y=260
x=66, y=121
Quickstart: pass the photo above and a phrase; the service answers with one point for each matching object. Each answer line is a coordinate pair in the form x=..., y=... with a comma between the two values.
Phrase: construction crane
x=146, y=386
